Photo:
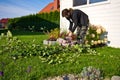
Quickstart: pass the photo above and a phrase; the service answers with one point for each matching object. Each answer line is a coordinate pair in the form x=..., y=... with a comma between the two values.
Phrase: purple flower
x=1, y=73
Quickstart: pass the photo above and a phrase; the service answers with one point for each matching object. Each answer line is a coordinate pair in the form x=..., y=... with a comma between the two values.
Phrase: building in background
x=101, y=12
x=3, y=23
x=53, y=6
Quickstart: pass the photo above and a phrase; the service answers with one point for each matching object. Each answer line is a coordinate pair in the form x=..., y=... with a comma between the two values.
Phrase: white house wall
x=106, y=14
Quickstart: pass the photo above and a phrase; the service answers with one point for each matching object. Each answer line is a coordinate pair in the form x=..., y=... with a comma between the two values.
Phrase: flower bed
x=96, y=37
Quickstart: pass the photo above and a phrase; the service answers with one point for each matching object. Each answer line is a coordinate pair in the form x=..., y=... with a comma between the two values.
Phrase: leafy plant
x=53, y=34
x=52, y=54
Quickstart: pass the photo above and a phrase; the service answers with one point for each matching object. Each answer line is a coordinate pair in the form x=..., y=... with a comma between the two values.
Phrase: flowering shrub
x=96, y=35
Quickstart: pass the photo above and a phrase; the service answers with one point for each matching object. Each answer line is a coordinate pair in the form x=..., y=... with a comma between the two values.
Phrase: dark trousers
x=81, y=33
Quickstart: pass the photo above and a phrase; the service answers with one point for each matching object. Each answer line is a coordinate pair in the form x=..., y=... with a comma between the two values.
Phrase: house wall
x=106, y=14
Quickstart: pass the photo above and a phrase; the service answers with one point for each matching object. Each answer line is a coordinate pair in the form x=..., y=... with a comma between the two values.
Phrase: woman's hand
x=70, y=34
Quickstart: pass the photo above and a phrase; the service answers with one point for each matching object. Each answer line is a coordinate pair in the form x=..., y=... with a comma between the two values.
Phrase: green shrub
x=35, y=22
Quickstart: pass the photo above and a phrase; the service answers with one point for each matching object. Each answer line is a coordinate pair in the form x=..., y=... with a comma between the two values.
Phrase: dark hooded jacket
x=79, y=19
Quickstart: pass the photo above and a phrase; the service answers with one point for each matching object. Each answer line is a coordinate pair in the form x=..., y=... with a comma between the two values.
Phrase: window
x=95, y=1
x=85, y=2
x=79, y=2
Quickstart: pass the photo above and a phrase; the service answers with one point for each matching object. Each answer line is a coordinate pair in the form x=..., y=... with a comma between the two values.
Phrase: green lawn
x=30, y=36
x=32, y=68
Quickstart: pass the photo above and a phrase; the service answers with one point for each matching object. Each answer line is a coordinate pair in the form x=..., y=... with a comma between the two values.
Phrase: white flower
x=92, y=42
x=9, y=34
x=14, y=58
x=2, y=34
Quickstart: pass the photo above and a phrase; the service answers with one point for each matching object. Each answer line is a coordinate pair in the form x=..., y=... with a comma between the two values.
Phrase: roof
x=48, y=8
x=53, y=6
x=4, y=20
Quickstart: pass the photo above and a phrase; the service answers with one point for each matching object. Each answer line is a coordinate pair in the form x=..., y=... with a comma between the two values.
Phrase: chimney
x=56, y=4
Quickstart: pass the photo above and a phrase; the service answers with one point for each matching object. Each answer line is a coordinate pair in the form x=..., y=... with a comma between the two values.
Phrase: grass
x=31, y=68
x=30, y=36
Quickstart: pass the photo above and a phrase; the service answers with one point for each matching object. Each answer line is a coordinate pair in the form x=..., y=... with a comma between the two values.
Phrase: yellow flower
x=99, y=41
x=98, y=31
x=103, y=29
x=87, y=33
x=86, y=42
x=102, y=41
x=92, y=35
x=105, y=39
x=95, y=42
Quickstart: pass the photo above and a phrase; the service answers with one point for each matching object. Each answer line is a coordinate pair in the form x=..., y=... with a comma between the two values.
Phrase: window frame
x=93, y=4
x=79, y=4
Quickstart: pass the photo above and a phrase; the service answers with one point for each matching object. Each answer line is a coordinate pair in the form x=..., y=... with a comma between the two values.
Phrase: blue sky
x=17, y=8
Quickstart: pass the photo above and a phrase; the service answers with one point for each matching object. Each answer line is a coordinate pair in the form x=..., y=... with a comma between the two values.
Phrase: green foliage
x=35, y=22
x=52, y=54
x=3, y=31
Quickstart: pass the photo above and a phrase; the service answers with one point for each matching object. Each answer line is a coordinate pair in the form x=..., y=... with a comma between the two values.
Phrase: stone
x=46, y=42
x=115, y=78
x=52, y=42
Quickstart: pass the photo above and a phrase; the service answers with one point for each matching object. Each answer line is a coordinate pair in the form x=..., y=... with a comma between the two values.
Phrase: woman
x=80, y=21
